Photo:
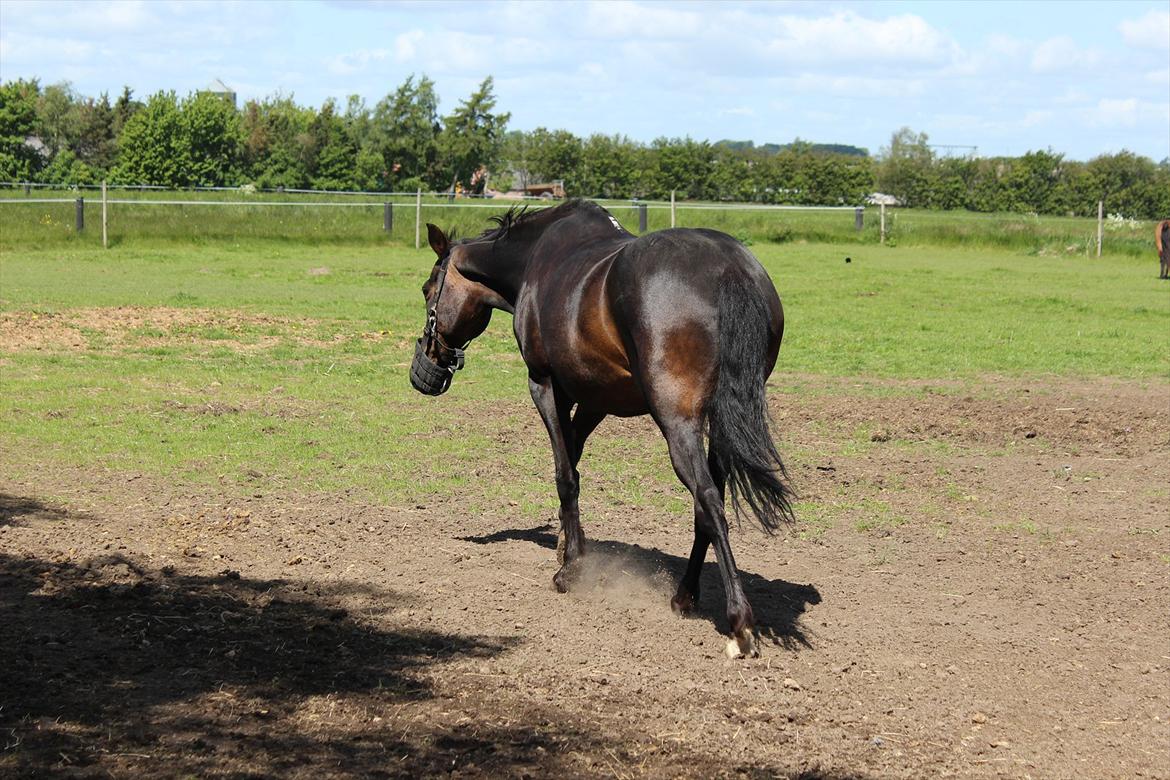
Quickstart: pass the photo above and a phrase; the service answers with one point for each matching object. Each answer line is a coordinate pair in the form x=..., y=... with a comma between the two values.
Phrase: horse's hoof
x=560, y=582
x=682, y=604
x=742, y=645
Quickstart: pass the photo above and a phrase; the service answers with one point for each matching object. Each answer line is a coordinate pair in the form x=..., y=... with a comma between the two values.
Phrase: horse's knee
x=709, y=515
x=568, y=486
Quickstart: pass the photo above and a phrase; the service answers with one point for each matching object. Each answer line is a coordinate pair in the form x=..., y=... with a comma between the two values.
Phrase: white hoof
x=742, y=645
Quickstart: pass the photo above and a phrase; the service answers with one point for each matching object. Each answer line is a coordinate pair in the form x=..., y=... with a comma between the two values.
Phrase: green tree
x=18, y=116
x=404, y=131
x=336, y=152
x=681, y=164
x=124, y=108
x=906, y=168
x=277, y=145
x=195, y=142
x=57, y=117
x=96, y=142
x=210, y=141
x=833, y=179
x=472, y=136
x=514, y=157
x=151, y=147
x=609, y=167
x=731, y=174
x=78, y=134
x=1132, y=185
x=555, y=155
x=1030, y=182
x=67, y=169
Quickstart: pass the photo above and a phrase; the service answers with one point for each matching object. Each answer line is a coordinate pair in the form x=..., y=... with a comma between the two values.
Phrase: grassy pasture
x=47, y=225
x=272, y=365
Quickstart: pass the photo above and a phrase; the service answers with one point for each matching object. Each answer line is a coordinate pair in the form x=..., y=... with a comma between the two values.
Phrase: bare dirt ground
x=72, y=330
x=978, y=587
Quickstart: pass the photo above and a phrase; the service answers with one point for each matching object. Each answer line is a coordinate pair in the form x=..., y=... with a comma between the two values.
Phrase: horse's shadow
x=777, y=604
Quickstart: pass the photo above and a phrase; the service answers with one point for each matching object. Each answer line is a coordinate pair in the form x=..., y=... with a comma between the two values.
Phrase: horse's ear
x=437, y=239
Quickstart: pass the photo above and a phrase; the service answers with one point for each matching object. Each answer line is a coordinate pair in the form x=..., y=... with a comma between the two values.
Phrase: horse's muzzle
x=429, y=377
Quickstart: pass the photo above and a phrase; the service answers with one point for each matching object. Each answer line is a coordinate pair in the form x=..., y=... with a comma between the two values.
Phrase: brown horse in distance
x=684, y=325
x=1162, y=244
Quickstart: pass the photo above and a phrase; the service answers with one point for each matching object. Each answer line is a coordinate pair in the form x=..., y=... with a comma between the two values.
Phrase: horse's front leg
x=554, y=409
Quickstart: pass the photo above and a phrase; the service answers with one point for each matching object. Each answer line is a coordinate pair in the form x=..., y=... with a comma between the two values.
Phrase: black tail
x=740, y=440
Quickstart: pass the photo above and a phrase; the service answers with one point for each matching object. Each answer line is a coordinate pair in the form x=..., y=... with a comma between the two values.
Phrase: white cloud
x=1126, y=112
x=354, y=62
x=846, y=37
x=1151, y=31
x=1062, y=54
x=31, y=47
x=1114, y=111
x=624, y=19
x=1159, y=77
x=860, y=87
x=1034, y=118
x=405, y=45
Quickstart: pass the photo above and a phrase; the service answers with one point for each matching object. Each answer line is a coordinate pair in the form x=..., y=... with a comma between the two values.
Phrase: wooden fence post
x=79, y=214
x=859, y=218
x=388, y=217
x=418, y=219
x=672, y=208
x=883, y=231
x=105, y=218
x=641, y=217
x=1100, y=224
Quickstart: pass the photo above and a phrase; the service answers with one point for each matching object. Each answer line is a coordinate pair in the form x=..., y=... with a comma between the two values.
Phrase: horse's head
x=458, y=310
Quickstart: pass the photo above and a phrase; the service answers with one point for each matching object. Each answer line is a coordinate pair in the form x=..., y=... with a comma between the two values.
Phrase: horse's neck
x=503, y=268
x=500, y=271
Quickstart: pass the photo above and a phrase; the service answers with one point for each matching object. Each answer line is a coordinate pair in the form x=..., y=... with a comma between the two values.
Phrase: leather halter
x=448, y=356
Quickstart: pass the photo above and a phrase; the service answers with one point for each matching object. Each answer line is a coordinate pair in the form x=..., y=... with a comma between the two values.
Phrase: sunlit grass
x=270, y=373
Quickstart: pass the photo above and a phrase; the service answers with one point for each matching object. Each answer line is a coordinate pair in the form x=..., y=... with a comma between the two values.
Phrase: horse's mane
x=520, y=215
x=505, y=222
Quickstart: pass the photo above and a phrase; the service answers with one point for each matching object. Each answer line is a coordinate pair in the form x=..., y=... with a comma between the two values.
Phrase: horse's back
x=677, y=274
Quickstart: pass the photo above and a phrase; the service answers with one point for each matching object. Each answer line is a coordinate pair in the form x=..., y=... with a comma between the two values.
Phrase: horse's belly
x=602, y=386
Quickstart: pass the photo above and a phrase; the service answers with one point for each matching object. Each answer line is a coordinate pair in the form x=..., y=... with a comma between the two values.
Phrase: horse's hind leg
x=685, y=439
x=686, y=598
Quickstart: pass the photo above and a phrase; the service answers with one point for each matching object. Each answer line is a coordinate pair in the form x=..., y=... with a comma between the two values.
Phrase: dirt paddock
x=978, y=587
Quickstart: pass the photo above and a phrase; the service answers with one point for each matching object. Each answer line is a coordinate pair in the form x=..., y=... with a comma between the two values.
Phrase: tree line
x=53, y=135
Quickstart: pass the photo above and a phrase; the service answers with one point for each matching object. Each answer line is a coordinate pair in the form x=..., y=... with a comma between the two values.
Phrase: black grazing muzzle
x=426, y=375
x=430, y=376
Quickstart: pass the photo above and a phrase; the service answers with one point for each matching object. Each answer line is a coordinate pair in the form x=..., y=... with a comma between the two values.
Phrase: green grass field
x=270, y=365
x=51, y=225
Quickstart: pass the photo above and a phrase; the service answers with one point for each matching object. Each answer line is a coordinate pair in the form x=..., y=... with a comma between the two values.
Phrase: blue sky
x=1082, y=78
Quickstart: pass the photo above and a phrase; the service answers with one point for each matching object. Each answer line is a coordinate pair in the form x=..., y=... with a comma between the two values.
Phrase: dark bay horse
x=681, y=324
